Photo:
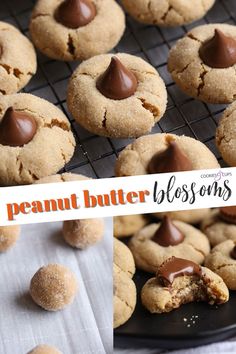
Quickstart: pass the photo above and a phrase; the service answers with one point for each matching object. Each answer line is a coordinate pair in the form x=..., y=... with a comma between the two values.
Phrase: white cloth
x=84, y=327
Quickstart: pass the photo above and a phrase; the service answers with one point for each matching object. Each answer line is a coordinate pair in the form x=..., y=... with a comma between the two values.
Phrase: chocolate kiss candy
x=168, y=234
x=228, y=214
x=219, y=51
x=170, y=160
x=16, y=128
x=117, y=82
x=177, y=267
x=233, y=253
x=75, y=13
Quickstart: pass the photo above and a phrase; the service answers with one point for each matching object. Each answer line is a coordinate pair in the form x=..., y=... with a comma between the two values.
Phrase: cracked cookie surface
x=226, y=134
x=221, y=262
x=167, y=12
x=217, y=230
x=123, y=259
x=135, y=158
x=149, y=255
x=124, y=289
x=160, y=299
x=62, y=43
x=18, y=61
x=197, y=79
x=127, y=225
x=50, y=149
x=130, y=117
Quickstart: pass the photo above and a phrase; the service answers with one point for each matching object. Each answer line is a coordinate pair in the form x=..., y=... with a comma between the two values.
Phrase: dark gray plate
x=171, y=331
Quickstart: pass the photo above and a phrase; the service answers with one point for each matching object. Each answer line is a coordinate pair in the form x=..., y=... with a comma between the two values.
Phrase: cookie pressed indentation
x=152, y=109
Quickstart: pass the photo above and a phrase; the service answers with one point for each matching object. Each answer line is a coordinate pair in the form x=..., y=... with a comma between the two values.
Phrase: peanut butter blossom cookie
x=35, y=139
x=167, y=12
x=18, y=61
x=124, y=289
x=203, y=63
x=117, y=96
x=222, y=260
x=220, y=225
x=157, y=242
x=180, y=281
x=76, y=29
x=160, y=153
x=226, y=135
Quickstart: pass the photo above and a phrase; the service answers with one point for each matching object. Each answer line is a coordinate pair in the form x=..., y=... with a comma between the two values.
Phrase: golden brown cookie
x=167, y=12
x=188, y=216
x=136, y=158
x=127, y=225
x=124, y=289
x=225, y=135
x=222, y=261
x=60, y=39
x=35, y=139
x=217, y=229
x=180, y=281
x=123, y=259
x=155, y=243
x=18, y=62
x=139, y=96
x=199, y=63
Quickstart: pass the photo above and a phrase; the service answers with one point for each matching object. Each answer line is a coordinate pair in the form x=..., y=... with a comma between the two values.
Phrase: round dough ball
x=44, y=349
x=8, y=236
x=83, y=233
x=53, y=287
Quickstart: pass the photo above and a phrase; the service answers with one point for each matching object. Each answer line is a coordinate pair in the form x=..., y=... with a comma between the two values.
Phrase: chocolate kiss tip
x=170, y=160
x=117, y=82
x=75, y=13
x=16, y=128
x=168, y=234
x=228, y=214
x=219, y=51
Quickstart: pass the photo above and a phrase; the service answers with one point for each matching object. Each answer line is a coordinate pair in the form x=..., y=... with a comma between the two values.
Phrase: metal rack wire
x=95, y=156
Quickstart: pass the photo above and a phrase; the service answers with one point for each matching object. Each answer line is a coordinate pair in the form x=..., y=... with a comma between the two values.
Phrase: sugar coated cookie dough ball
x=8, y=236
x=83, y=233
x=76, y=29
x=53, y=287
x=167, y=12
x=18, y=62
x=44, y=349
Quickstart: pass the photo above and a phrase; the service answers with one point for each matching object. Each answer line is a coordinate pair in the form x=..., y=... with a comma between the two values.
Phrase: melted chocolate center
x=75, y=13
x=168, y=234
x=219, y=51
x=170, y=160
x=176, y=267
x=233, y=253
x=117, y=82
x=17, y=128
x=228, y=214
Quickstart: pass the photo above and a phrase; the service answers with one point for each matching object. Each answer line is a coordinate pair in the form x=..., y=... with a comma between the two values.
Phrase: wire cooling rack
x=95, y=156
